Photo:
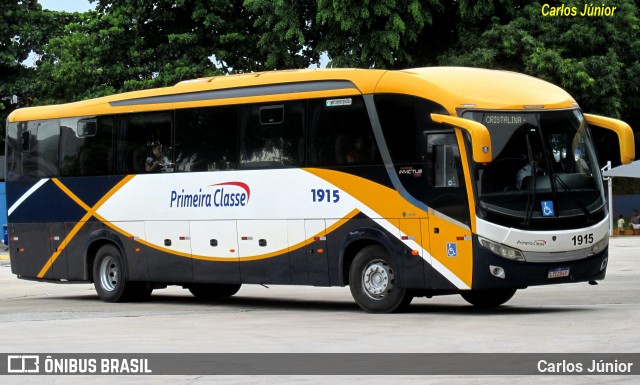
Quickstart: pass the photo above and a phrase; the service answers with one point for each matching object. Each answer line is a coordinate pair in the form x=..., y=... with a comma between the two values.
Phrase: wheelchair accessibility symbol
x=452, y=249
x=547, y=209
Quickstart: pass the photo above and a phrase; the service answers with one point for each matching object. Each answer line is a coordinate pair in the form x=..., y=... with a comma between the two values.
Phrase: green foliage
x=594, y=58
x=125, y=45
x=626, y=186
x=133, y=44
x=287, y=32
x=17, y=39
x=372, y=33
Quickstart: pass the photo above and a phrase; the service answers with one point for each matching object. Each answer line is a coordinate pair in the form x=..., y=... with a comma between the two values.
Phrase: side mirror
x=622, y=129
x=480, y=137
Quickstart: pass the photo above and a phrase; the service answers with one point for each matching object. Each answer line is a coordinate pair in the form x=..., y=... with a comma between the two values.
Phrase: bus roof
x=452, y=87
x=462, y=87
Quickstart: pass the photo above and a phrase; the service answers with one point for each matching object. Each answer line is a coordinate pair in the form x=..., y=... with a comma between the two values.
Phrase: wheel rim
x=378, y=279
x=109, y=273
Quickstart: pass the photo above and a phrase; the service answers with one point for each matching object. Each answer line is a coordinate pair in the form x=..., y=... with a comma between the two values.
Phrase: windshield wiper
x=566, y=188
x=531, y=197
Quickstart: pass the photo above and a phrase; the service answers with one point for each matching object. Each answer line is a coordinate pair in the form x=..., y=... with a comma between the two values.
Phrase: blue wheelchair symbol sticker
x=452, y=249
x=547, y=209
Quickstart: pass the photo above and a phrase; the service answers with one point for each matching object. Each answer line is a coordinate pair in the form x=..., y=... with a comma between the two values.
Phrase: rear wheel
x=373, y=282
x=214, y=290
x=488, y=298
x=110, y=280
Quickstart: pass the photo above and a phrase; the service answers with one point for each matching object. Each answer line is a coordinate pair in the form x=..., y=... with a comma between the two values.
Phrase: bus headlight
x=502, y=250
x=598, y=247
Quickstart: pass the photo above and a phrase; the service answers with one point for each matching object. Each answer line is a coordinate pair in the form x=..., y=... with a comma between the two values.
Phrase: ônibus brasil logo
x=227, y=194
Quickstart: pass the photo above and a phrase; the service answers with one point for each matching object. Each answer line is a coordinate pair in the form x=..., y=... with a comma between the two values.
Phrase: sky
x=67, y=5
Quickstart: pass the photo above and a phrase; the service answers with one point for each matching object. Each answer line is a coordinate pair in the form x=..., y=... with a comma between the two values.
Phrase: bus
x=398, y=184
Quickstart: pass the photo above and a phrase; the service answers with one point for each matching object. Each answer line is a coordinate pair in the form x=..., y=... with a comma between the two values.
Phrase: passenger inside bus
x=157, y=160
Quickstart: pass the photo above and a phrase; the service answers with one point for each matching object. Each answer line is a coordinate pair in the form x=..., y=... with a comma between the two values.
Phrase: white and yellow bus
x=399, y=184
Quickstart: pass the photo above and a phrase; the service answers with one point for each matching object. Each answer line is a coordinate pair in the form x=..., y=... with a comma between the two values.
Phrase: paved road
x=574, y=318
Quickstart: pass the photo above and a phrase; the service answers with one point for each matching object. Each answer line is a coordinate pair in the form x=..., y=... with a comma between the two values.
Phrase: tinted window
x=33, y=148
x=272, y=135
x=425, y=154
x=144, y=143
x=341, y=133
x=14, y=149
x=404, y=119
x=86, y=146
x=206, y=139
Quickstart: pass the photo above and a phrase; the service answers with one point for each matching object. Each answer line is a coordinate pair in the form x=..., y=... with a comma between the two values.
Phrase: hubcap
x=378, y=279
x=109, y=273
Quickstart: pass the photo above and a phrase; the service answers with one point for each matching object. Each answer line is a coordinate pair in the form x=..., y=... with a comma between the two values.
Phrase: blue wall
x=624, y=204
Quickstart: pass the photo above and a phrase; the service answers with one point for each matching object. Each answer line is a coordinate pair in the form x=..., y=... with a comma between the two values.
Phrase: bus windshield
x=544, y=172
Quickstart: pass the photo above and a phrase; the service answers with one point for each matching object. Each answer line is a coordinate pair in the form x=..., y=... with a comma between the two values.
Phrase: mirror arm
x=622, y=129
x=480, y=137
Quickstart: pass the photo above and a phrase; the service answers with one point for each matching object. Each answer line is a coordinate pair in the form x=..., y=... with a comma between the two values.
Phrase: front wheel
x=489, y=297
x=373, y=282
x=110, y=280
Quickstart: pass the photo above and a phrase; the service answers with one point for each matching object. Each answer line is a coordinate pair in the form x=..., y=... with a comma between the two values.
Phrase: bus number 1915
x=579, y=240
x=325, y=195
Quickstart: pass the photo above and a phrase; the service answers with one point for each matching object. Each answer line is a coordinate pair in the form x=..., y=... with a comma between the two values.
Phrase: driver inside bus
x=525, y=171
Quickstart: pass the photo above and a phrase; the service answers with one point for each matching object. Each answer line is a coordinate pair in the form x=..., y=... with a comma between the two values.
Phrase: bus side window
x=270, y=135
x=40, y=159
x=206, y=139
x=446, y=191
x=144, y=143
x=445, y=174
x=341, y=133
x=443, y=160
x=86, y=146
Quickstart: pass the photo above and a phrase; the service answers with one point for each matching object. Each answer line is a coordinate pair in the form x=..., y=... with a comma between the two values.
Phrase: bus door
x=449, y=218
x=170, y=259
x=214, y=246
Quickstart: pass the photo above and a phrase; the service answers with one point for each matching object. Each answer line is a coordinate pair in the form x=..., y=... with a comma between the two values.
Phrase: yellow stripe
x=307, y=241
x=63, y=245
x=91, y=211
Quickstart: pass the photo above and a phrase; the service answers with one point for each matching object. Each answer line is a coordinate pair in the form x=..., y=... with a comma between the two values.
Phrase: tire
x=488, y=298
x=109, y=278
x=214, y=290
x=372, y=280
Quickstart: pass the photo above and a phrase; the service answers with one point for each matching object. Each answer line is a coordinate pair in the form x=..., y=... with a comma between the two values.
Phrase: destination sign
x=507, y=120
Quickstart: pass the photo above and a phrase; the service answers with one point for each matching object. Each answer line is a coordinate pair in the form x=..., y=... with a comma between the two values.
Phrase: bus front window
x=544, y=173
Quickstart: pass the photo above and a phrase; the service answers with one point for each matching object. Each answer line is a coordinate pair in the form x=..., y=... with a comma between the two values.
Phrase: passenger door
x=449, y=217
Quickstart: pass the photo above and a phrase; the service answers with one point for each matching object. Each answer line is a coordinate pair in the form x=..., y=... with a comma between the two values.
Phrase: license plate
x=558, y=272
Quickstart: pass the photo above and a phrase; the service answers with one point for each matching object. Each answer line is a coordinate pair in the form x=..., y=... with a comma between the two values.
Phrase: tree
x=288, y=32
x=594, y=58
x=17, y=39
x=373, y=33
x=124, y=45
